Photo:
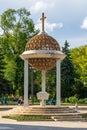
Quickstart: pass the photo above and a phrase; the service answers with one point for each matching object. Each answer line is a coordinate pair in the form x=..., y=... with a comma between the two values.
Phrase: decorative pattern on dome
x=42, y=42
x=42, y=63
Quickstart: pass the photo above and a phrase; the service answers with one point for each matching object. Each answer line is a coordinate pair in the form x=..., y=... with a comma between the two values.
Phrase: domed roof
x=42, y=42
x=42, y=50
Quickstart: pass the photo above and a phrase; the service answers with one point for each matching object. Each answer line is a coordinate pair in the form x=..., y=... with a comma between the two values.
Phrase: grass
x=28, y=117
x=33, y=117
x=84, y=116
x=12, y=103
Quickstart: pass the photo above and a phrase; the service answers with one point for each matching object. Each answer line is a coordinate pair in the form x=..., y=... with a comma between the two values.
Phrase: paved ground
x=31, y=127
x=8, y=124
x=41, y=125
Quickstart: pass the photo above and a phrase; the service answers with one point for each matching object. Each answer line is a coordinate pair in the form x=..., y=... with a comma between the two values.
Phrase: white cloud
x=40, y=6
x=84, y=24
x=49, y=27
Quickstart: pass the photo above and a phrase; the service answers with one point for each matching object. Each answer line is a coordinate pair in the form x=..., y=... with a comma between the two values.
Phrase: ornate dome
x=42, y=50
x=42, y=42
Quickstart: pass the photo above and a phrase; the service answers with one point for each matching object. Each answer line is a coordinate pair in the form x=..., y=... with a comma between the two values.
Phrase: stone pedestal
x=42, y=96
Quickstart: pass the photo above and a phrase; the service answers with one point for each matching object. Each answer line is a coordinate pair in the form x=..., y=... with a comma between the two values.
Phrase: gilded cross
x=43, y=18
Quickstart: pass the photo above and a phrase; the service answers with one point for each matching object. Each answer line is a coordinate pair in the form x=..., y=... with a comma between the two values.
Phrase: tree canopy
x=79, y=56
x=4, y=84
x=67, y=72
x=17, y=28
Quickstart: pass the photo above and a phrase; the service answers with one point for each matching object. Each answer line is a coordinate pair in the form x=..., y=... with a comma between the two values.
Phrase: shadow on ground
x=31, y=127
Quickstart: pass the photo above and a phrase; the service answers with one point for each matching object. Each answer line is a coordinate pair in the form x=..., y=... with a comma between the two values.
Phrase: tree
x=79, y=57
x=18, y=28
x=51, y=82
x=4, y=86
x=78, y=89
x=67, y=72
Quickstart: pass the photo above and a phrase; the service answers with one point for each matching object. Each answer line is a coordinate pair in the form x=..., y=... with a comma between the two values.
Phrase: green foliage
x=78, y=89
x=18, y=28
x=51, y=82
x=4, y=84
x=37, y=81
x=84, y=116
x=30, y=117
x=79, y=57
x=82, y=101
x=67, y=72
x=73, y=99
x=1, y=63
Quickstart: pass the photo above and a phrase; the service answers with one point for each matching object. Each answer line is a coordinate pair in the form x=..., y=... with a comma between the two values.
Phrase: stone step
x=70, y=117
x=41, y=108
x=60, y=117
x=40, y=112
x=56, y=113
x=51, y=109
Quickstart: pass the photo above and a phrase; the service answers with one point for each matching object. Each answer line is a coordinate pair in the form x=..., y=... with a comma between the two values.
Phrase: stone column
x=43, y=80
x=25, y=82
x=42, y=103
x=58, y=86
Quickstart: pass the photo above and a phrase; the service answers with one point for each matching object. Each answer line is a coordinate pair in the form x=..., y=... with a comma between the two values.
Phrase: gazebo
x=43, y=53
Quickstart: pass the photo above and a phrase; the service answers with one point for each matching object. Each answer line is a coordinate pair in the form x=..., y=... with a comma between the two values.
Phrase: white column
x=58, y=82
x=25, y=82
x=42, y=103
x=43, y=80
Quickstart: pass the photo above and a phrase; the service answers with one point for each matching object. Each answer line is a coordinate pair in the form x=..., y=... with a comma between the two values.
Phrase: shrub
x=83, y=101
x=73, y=99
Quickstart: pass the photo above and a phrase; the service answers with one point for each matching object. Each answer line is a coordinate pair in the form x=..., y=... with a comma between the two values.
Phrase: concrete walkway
x=64, y=124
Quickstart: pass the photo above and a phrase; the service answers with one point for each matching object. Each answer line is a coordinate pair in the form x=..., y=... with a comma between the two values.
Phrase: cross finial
x=43, y=17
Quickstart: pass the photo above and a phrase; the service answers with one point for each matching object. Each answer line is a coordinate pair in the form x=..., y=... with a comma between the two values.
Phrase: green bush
x=73, y=99
x=83, y=101
x=66, y=100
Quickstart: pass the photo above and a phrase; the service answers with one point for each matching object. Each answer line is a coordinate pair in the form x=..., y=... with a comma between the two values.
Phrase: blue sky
x=66, y=19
